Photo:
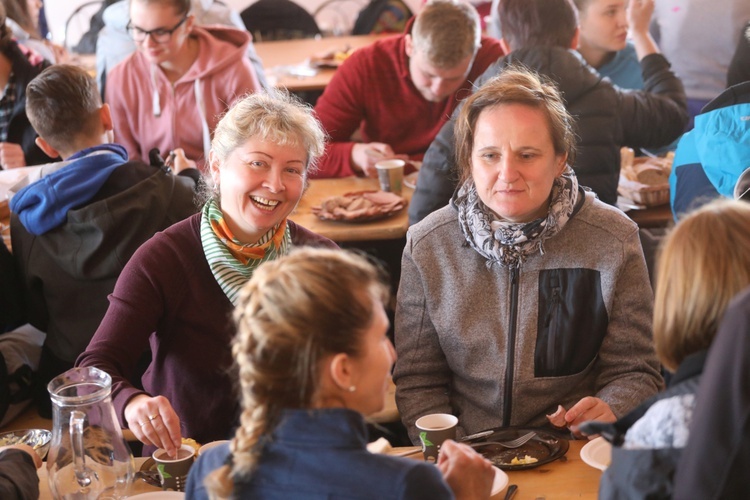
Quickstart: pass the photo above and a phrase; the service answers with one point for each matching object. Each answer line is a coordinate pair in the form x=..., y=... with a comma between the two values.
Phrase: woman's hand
x=466, y=472
x=154, y=422
x=26, y=448
x=588, y=408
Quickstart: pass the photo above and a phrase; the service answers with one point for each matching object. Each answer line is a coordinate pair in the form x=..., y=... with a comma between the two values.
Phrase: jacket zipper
x=554, y=322
x=510, y=357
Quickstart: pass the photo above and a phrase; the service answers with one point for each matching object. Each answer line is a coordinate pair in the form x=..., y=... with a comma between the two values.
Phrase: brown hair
x=529, y=23
x=515, y=85
x=582, y=4
x=294, y=312
x=62, y=104
x=6, y=36
x=18, y=11
x=703, y=263
x=447, y=32
x=181, y=6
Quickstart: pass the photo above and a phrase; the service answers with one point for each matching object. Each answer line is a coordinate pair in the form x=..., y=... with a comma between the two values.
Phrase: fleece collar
x=43, y=205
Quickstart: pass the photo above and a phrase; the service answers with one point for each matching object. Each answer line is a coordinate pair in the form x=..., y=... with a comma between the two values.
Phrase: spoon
x=511, y=491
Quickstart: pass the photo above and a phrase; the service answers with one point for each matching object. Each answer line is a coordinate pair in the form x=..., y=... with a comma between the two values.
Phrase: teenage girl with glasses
x=170, y=93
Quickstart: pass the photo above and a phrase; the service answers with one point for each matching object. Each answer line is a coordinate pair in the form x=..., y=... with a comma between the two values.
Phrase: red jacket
x=374, y=88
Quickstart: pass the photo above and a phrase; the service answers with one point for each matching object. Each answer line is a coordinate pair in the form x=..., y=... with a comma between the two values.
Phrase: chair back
x=80, y=22
x=278, y=20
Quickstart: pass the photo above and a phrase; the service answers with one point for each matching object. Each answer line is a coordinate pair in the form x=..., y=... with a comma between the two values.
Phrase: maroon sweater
x=167, y=297
x=374, y=88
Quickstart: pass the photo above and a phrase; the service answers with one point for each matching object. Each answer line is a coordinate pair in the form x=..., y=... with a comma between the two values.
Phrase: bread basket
x=645, y=180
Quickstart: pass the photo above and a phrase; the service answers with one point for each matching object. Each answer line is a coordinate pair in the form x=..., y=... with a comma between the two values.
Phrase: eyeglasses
x=159, y=35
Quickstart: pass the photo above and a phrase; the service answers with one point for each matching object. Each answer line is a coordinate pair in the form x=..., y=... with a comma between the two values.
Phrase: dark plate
x=545, y=447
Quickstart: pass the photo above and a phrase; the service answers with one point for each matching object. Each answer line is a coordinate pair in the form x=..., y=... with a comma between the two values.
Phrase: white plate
x=597, y=453
x=159, y=495
x=500, y=482
x=411, y=180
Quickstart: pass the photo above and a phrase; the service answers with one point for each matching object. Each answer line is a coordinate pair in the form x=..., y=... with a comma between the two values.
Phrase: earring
x=352, y=388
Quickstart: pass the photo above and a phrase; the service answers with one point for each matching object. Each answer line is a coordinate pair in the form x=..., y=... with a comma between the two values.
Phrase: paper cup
x=210, y=445
x=173, y=472
x=433, y=431
x=391, y=175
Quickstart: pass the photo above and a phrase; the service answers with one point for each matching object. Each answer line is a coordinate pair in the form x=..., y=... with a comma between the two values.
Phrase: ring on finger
x=142, y=423
x=153, y=417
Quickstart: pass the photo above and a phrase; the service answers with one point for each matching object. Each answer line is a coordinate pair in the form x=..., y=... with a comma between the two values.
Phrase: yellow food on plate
x=527, y=459
x=191, y=442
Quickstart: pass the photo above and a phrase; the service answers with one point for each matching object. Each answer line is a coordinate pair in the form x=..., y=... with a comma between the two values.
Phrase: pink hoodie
x=150, y=112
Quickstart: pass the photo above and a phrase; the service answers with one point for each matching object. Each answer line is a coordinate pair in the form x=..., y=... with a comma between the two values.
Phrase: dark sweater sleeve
x=18, y=477
x=656, y=115
x=152, y=278
x=437, y=176
x=739, y=68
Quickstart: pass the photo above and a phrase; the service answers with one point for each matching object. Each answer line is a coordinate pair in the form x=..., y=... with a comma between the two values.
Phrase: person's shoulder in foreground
x=412, y=475
x=18, y=477
x=715, y=462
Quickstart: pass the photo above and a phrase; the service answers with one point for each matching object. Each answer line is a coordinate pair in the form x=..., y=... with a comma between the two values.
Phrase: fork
x=518, y=442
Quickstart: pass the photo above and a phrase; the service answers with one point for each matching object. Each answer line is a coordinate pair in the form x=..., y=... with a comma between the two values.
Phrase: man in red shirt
x=400, y=90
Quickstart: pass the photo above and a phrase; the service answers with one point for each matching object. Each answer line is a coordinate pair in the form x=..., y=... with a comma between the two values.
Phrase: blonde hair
x=704, y=262
x=447, y=32
x=515, y=85
x=273, y=115
x=294, y=312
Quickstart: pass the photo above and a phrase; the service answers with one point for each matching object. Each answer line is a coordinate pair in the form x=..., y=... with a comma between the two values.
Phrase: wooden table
x=391, y=228
x=652, y=217
x=567, y=478
x=281, y=57
x=138, y=486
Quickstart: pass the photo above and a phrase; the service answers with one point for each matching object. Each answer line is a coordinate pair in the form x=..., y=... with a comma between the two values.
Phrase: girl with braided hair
x=313, y=357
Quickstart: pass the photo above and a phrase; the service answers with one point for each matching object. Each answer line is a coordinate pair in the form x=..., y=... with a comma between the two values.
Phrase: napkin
x=380, y=446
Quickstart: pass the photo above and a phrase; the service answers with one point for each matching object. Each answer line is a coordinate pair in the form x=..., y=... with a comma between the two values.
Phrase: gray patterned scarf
x=510, y=243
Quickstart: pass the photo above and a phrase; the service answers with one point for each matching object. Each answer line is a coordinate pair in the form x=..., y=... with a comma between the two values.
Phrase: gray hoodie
x=582, y=325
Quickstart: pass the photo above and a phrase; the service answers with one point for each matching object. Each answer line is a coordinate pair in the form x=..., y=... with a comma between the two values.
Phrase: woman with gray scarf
x=526, y=301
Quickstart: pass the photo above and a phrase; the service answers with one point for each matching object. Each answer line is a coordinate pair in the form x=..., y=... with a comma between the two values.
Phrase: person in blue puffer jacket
x=713, y=159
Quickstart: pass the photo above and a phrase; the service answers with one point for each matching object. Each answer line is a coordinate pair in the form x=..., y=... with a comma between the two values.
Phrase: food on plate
x=332, y=58
x=192, y=443
x=525, y=460
x=360, y=205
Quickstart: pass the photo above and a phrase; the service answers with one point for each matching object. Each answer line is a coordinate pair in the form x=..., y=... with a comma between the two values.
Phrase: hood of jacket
x=44, y=204
x=98, y=239
x=220, y=46
x=573, y=76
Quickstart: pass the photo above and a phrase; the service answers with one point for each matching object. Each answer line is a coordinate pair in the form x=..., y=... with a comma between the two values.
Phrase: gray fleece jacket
x=499, y=348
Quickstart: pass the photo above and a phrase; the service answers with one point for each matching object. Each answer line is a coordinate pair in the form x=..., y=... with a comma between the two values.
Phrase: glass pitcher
x=88, y=457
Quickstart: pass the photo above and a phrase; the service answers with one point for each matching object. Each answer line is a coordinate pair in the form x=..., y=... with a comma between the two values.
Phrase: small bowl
x=39, y=439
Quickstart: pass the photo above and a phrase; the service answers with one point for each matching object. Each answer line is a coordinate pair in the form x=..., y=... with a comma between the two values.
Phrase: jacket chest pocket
x=572, y=321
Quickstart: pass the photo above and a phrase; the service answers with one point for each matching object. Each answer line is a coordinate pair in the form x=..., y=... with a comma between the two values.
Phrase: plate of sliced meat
x=360, y=206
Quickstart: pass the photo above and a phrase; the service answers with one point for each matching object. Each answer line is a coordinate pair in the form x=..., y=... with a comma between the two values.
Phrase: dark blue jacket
x=321, y=454
x=710, y=159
